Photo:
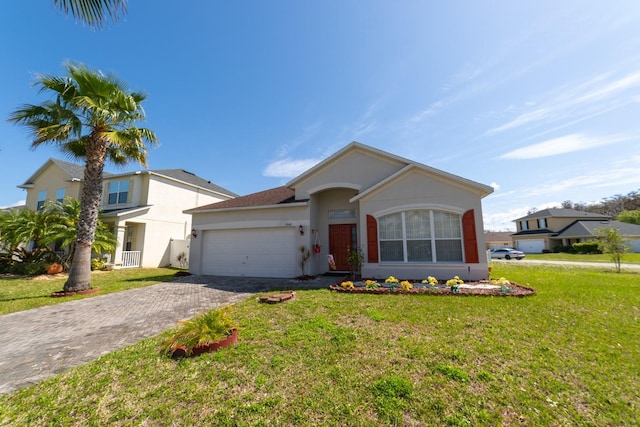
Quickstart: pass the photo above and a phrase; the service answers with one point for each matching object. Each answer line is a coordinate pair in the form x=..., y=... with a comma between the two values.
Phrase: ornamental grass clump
x=203, y=328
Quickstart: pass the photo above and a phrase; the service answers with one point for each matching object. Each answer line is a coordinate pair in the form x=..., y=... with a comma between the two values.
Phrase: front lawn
x=23, y=293
x=566, y=356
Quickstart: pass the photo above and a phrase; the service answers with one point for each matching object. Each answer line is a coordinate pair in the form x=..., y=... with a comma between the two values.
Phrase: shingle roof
x=191, y=178
x=562, y=213
x=588, y=228
x=537, y=231
x=273, y=196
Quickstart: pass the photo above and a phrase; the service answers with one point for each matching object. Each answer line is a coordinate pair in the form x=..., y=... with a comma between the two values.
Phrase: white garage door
x=530, y=246
x=264, y=252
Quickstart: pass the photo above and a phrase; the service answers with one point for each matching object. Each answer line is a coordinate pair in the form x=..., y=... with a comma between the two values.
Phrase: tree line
x=624, y=208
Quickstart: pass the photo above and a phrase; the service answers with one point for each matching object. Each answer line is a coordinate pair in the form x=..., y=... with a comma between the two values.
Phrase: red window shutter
x=372, y=239
x=470, y=238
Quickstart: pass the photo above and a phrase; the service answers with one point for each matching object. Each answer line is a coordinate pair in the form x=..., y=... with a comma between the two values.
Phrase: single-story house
x=407, y=219
x=548, y=228
x=497, y=239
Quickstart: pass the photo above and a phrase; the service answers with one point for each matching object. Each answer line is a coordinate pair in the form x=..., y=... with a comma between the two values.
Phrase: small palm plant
x=202, y=329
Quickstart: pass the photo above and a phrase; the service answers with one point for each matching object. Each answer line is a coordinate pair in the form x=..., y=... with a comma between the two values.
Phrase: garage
x=533, y=246
x=260, y=252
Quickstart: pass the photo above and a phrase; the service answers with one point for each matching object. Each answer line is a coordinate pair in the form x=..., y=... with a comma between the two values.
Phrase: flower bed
x=430, y=286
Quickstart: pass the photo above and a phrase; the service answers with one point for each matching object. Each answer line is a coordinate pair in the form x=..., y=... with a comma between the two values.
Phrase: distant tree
x=612, y=243
x=632, y=217
x=92, y=116
x=92, y=12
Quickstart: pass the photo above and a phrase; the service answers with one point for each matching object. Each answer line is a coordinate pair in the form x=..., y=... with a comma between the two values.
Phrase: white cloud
x=616, y=178
x=288, y=168
x=563, y=145
x=503, y=220
x=586, y=98
x=495, y=186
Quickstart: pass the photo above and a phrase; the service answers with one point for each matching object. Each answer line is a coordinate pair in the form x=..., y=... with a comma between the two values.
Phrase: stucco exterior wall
x=279, y=216
x=418, y=190
x=50, y=180
x=357, y=168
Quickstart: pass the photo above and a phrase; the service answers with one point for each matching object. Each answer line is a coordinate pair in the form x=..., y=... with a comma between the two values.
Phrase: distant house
x=497, y=239
x=407, y=219
x=548, y=228
x=144, y=208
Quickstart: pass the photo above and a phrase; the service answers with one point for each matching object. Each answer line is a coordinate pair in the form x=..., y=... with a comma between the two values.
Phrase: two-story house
x=549, y=228
x=143, y=207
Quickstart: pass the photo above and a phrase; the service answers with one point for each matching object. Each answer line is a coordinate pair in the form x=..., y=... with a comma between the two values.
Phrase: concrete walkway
x=42, y=342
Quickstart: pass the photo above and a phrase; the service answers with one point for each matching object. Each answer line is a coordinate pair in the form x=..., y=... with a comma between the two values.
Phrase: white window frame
x=542, y=222
x=42, y=198
x=118, y=193
x=431, y=238
x=524, y=225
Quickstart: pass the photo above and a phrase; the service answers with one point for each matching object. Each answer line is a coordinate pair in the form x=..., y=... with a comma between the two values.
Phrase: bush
x=587, y=248
x=546, y=251
x=29, y=268
x=564, y=249
x=97, y=264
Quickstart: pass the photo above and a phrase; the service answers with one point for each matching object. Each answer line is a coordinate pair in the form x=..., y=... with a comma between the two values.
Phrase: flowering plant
x=453, y=283
x=406, y=285
x=347, y=285
x=431, y=281
x=371, y=284
x=503, y=282
x=391, y=279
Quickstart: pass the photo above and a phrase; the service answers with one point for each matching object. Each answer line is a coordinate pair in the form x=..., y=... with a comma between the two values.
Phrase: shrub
x=97, y=264
x=586, y=248
x=564, y=249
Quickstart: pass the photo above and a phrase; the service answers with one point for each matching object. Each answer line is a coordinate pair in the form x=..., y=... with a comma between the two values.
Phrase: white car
x=506, y=253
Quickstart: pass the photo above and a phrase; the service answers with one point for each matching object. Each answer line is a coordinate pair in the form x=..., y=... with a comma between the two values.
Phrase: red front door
x=342, y=239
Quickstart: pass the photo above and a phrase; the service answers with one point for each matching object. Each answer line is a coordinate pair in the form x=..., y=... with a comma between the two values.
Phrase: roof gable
x=73, y=170
x=397, y=166
x=588, y=228
x=562, y=213
x=192, y=179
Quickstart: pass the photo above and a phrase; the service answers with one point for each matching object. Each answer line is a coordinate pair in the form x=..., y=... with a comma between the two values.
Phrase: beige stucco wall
x=281, y=216
x=355, y=167
x=50, y=180
x=420, y=190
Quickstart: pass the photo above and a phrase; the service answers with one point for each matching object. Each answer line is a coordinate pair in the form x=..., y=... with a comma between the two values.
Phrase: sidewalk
x=45, y=341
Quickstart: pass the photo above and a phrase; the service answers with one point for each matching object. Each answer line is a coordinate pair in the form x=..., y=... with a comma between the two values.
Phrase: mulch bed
x=60, y=294
x=514, y=290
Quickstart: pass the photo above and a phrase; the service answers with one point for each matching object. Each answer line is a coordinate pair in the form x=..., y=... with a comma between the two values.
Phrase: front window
x=42, y=197
x=420, y=236
x=524, y=225
x=542, y=223
x=118, y=192
x=60, y=195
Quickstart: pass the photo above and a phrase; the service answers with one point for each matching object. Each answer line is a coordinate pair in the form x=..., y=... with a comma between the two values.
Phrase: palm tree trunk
x=80, y=273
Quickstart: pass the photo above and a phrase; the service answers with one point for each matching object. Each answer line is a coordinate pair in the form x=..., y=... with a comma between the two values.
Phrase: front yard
x=566, y=356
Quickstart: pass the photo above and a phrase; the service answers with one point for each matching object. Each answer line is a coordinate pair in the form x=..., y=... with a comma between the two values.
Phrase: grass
x=567, y=356
x=23, y=293
x=629, y=258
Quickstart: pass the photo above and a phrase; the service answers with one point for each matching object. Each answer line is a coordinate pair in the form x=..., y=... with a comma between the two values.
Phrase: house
x=144, y=208
x=549, y=228
x=497, y=239
x=406, y=219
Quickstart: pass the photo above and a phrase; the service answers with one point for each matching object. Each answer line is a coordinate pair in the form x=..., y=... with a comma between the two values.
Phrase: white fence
x=130, y=259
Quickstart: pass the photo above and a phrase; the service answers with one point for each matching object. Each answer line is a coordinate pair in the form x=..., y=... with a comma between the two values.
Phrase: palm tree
x=92, y=12
x=92, y=116
x=62, y=218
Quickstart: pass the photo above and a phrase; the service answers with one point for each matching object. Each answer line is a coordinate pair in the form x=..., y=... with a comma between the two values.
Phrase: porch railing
x=130, y=259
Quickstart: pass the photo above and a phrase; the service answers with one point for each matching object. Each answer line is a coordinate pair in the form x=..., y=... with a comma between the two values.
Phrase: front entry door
x=342, y=239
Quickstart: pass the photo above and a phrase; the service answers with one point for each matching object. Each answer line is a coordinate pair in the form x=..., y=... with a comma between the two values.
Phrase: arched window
x=420, y=236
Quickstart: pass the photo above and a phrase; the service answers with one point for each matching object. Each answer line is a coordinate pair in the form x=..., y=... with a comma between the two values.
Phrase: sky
x=539, y=99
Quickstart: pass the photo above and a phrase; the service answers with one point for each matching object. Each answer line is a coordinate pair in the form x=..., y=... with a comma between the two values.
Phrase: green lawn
x=629, y=258
x=566, y=356
x=20, y=293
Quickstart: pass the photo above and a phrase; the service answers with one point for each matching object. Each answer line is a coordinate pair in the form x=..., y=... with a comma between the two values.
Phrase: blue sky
x=539, y=99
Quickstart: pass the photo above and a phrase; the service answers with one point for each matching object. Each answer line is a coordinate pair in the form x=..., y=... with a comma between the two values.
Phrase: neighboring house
x=409, y=220
x=143, y=207
x=497, y=239
x=549, y=228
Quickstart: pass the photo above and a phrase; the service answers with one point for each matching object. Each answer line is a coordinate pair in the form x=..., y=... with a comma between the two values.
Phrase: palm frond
x=93, y=12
